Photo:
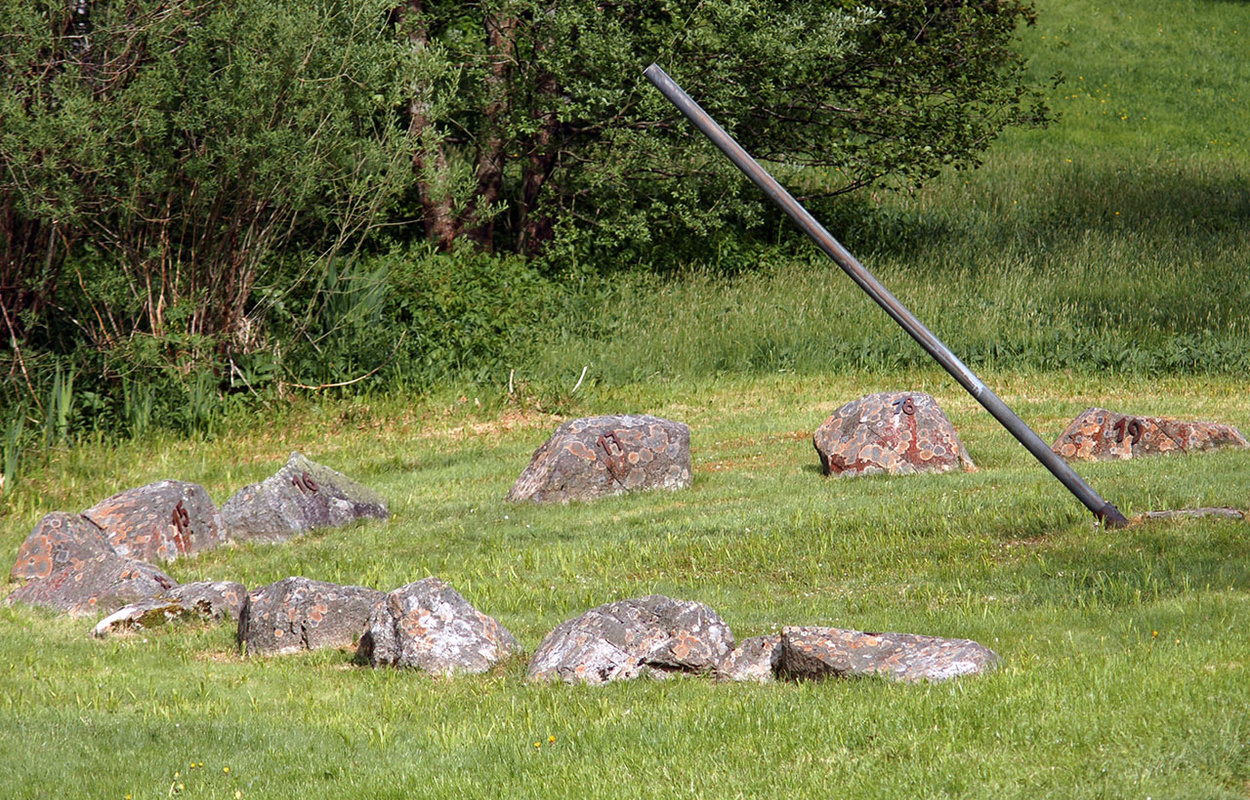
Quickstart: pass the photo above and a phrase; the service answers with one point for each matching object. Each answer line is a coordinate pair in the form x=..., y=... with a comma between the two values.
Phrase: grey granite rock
x=754, y=659
x=653, y=635
x=302, y=496
x=814, y=653
x=429, y=626
x=595, y=457
x=297, y=614
x=97, y=585
x=60, y=540
x=898, y=433
x=160, y=521
x=206, y=600
x=1101, y=435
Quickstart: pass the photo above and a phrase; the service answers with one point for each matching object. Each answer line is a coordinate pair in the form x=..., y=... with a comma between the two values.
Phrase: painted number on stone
x=905, y=405
x=305, y=483
x=611, y=445
x=1131, y=428
x=182, y=519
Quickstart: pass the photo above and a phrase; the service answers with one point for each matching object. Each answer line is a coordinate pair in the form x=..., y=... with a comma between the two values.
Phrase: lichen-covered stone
x=160, y=521
x=896, y=433
x=60, y=540
x=595, y=457
x=97, y=585
x=1101, y=435
x=297, y=614
x=428, y=625
x=814, y=653
x=206, y=600
x=653, y=635
x=302, y=496
x=754, y=659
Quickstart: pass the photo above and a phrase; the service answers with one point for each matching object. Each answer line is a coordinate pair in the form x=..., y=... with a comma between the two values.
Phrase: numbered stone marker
x=1101, y=435
x=601, y=456
x=302, y=496
x=159, y=522
x=896, y=433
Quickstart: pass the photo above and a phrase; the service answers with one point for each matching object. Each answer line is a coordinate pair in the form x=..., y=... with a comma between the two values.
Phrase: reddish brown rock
x=814, y=653
x=652, y=635
x=297, y=614
x=895, y=433
x=754, y=659
x=97, y=585
x=428, y=625
x=60, y=540
x=160, y=521
x=302, y=496
x=597, y=457
x=1101, y=435
x=207, y=600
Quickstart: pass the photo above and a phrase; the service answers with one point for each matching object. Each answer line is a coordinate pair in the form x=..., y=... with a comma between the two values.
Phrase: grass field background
x=1112, y=250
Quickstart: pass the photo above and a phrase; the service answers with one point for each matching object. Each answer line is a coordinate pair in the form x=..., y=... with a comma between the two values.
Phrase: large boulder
x=60, y=540
x=596, y=457
x=160, y=521
x=207, y=600
x=428, y=625
x=100, y=584
x=814, y=653
x=1101, y=435
x=297, y=614
x=896, y=433
x=653, y=635
x=302, y=496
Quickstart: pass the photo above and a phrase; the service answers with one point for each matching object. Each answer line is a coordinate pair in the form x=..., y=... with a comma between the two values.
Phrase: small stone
x=1101, y=435
x=207, y=600
x=297, y=614
x=653, y=635
x=60, y=540
x=595, y=457
x=754, y=659
x=429, y=626
x=159, y=522
x=895, y=433
x=98, y=585
x=302, y=496
x=815, y=653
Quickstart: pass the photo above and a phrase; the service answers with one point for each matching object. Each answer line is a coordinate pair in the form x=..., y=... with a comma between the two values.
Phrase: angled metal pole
x=1104, y=510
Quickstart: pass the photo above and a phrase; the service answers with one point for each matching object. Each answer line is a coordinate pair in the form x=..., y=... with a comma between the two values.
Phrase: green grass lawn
x=1123, y=660
x=1101, y=261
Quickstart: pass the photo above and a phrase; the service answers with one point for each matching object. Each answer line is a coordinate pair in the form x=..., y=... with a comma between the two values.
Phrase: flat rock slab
x=428, y=625
x=297, y=614
x=207, y=600
x=754, y=659
x=302, y=496
x=98, y=585
x=61, y=540
x=160, y=521
x=895, y=433
x=1223, y=512
x=815, y=653
x=1101, y=435
x=595, y=457
x=653, y=635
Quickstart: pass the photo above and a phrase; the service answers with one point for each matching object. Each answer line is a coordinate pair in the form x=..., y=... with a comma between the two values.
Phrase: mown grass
x=1123, y=666
x=1099, y=262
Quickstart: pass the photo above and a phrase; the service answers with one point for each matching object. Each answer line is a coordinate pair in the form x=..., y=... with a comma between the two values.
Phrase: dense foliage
x=542, y=129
